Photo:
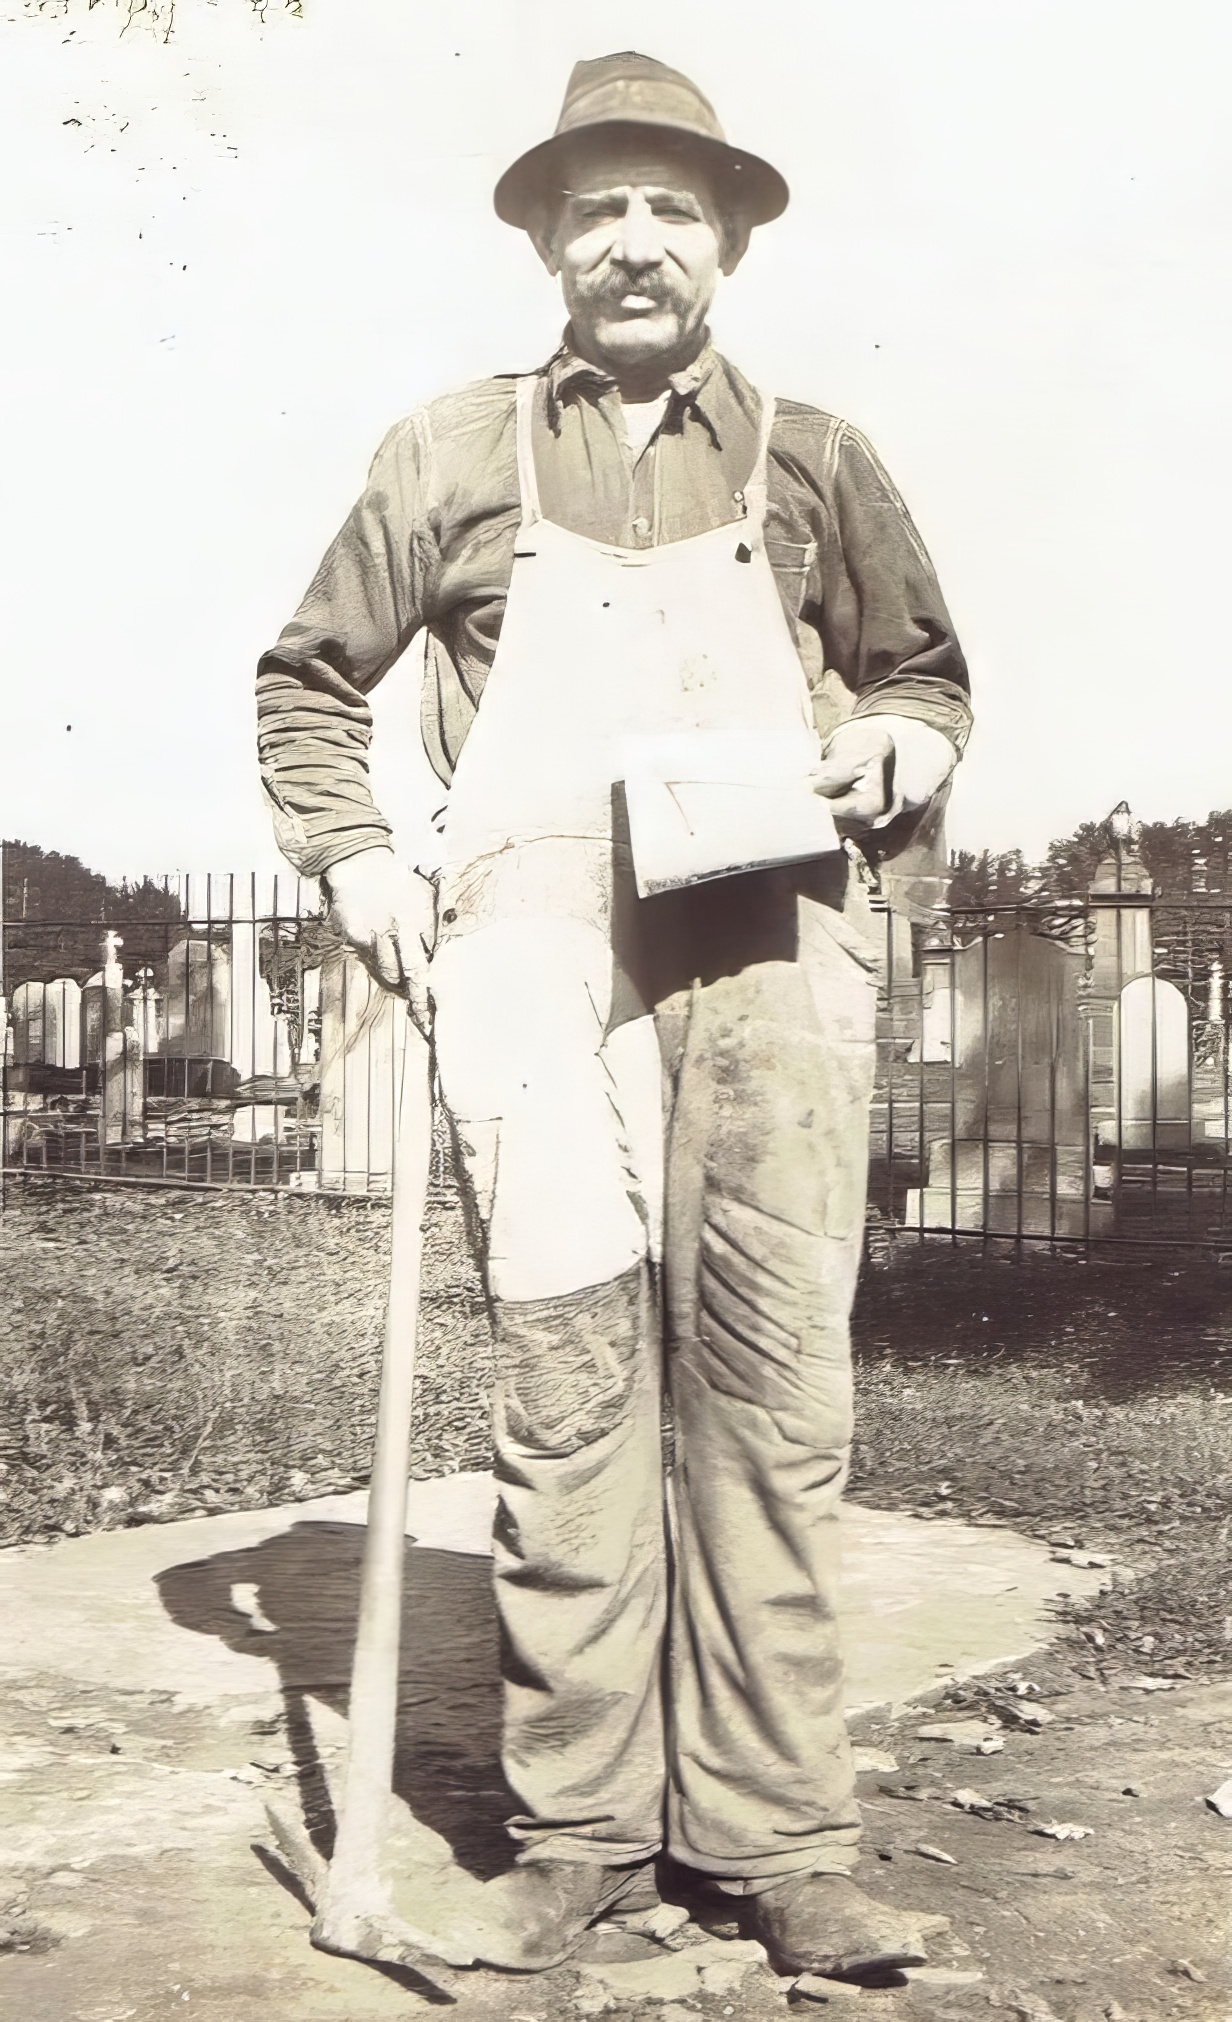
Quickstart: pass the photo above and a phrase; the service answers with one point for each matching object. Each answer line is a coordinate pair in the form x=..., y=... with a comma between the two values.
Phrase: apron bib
x=601, y=646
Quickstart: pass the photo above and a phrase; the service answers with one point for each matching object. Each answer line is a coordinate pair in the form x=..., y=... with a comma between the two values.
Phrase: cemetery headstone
x=1154, y=1066
x=62, y=1024
x=1018, y=1162
x=28, y=1012
x=197, y=1000
x=363, y=1037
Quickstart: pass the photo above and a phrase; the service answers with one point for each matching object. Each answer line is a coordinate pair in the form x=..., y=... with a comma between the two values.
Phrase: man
x=659, y=1103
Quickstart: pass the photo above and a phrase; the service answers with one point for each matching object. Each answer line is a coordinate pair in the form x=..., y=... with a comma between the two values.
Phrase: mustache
x=614, y=287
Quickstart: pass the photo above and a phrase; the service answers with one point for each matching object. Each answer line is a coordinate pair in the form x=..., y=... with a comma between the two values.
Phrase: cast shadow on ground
x=307, y=1584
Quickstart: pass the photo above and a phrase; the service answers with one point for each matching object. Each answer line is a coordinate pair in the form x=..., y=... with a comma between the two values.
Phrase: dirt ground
x=168, y=1354
x=1131, y=1920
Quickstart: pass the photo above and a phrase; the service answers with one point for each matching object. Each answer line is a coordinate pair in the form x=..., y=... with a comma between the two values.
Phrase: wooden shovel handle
x=354, y=1887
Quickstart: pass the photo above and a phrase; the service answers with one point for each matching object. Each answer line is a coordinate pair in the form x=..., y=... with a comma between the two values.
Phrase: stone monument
x=1017, y=1163
x=363, y=1037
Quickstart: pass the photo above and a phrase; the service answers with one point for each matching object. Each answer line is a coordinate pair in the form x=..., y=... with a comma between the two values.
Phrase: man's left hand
x=856, y=774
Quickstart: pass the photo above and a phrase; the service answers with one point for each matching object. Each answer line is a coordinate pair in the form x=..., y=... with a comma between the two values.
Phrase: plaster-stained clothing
x=688, y=1697
x=578, y=1027
x=660, y=1107
x=430, y=545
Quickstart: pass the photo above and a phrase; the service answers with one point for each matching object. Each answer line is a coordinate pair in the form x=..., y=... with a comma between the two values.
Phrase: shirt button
x=641, y=526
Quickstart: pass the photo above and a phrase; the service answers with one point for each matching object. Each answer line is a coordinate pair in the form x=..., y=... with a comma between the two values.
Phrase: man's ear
x=736, y=234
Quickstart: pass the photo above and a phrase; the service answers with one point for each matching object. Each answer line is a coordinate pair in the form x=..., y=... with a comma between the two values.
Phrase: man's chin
x=634, y=342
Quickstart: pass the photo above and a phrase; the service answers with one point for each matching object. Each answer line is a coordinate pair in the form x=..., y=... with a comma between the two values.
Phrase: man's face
x=639, y=245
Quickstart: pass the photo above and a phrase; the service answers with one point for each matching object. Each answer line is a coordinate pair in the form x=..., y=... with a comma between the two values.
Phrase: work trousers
x=669, y=1195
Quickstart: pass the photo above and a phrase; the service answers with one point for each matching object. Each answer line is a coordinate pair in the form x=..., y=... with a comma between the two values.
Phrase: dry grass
x=1147, y=1480
x=166, y=1352
x=161, y=1352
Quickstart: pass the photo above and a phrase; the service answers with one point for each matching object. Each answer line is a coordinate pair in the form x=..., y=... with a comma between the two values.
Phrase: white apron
x=601, y=647
x=555, y=1092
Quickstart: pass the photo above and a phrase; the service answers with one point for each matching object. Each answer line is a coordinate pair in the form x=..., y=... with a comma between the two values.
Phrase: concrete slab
x=75, y=1605
x=926, y=1601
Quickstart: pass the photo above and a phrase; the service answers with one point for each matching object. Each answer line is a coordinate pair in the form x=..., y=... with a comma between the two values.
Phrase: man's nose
x=639, y=240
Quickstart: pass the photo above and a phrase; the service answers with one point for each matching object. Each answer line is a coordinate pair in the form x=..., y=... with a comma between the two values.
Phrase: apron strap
x=755, y=491
x=528, y=483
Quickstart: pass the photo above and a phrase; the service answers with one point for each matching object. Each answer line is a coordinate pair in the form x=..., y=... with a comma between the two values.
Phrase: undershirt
x=641, y=418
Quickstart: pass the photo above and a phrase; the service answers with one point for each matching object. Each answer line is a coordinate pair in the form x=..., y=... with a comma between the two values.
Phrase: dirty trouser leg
x=766, y=1188
x=550, y=1123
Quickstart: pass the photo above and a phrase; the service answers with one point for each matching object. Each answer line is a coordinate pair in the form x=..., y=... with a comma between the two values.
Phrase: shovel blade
x=374, y=1933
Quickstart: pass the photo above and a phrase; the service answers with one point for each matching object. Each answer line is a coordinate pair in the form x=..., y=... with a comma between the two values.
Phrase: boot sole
x=864, y=1967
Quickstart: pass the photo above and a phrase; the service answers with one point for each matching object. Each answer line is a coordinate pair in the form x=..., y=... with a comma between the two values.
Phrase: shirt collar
x=691, y=387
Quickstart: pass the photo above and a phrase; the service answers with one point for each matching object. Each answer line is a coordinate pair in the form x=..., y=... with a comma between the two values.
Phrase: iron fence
x=226, y=1038
x=1046, y=1070
x=1056, y=1070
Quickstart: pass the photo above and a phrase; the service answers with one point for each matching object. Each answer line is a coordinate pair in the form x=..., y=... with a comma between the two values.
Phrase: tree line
x=1187, y=860
x=1190, y=865
x=56, y=912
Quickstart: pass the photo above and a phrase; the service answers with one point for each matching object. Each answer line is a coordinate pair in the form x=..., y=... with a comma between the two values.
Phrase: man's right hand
x=386, y=912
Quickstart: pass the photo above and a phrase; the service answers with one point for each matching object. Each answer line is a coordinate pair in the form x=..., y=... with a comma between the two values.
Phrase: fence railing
x=227, y=1039
x=1054, y=1070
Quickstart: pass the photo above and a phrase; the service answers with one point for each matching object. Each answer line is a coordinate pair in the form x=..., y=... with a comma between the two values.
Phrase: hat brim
x=741, y=181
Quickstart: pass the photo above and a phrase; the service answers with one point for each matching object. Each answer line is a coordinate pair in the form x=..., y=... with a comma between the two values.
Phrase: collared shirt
x=429, y=545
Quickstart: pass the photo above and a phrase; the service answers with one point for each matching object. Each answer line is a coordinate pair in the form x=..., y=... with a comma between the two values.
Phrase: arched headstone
x=1019, y=1043
x=197, y=999
x=28, y=1012
x=1154, y=1065
x=1017, y=1163
x=62, y=1023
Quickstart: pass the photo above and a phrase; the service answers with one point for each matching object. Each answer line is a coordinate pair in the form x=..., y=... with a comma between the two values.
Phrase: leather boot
x=536, y=1916
x=824, y=1924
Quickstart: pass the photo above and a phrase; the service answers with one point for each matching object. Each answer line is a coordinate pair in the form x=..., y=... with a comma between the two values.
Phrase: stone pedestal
x=1006, y=1187
x=112, y=1051
x=143, y=1014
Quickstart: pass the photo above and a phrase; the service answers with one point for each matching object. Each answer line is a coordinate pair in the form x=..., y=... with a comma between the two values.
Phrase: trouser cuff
x=580, y=1847
x=750, y=1874
x=756, y=1885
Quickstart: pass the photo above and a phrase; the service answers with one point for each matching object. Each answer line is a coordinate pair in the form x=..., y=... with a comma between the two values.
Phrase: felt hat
x=611, y=96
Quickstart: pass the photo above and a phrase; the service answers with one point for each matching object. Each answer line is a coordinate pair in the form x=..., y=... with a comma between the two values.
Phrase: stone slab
x=925, y=1601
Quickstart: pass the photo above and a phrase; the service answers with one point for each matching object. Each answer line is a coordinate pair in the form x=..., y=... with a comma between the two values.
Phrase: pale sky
x=1006, y=259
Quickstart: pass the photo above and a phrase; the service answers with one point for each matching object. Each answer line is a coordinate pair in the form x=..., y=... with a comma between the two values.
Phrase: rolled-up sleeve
x=362, y=608
x=882, y=619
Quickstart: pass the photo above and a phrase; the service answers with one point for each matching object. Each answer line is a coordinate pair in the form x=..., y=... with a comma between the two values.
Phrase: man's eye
x=597, y=213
